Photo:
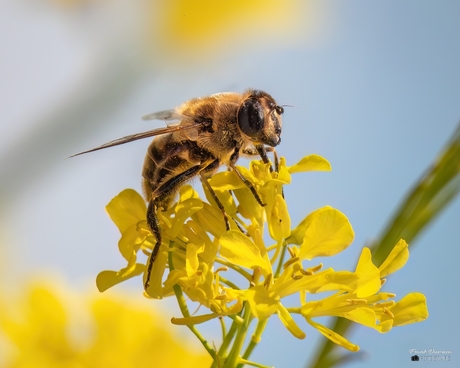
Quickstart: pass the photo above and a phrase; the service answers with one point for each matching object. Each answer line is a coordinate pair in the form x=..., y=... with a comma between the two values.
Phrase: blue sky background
x=375, y=88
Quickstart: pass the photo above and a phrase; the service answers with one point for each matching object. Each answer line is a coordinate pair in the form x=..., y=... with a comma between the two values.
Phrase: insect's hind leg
x=152, y=221
x=158, y=196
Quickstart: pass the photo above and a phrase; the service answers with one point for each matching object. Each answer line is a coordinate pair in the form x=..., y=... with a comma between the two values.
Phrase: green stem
x=223, y=327
x=279, y=269
x=222, y=353
x=253, y=364
x=256, y=338
x=228, y=282
x=184, y=309
x=235, y=353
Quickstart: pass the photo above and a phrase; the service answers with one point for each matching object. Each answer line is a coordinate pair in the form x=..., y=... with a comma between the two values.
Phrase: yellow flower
x=52, y=327
x=364, y=304
x=206, y=28
x=199, y=251
x=326, y=231
x=127, y=211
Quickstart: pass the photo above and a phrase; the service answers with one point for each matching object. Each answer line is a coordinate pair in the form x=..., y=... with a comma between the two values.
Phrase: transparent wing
x=166, y=115
x=135, y=137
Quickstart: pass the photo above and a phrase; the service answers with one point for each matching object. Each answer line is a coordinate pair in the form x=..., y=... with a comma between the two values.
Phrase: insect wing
x=166, y=115
x=135, y=137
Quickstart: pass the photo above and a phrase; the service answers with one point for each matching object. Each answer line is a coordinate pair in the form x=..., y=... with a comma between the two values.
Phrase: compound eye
x=279, y=110
x=251, y=118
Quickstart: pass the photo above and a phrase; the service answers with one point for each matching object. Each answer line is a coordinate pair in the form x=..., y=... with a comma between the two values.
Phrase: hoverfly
x=211, y=131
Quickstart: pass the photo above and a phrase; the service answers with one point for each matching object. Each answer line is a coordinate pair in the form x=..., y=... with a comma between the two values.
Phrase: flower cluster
x=199, y=252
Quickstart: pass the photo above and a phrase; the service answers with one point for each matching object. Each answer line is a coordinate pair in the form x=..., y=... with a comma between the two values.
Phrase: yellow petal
x=210, y=219
x=263, y=304
x=248, y=206
x=327, y=232
x=183, y=211
x=362, y=315
x=279, y=224
x=326, y=280
x=155, y=290
x=187, y=192
x=410, y=309
x=309, y=307
x=369, y=275
x=310, y=163
x=106, y=279
x=259, y=170
x=338, y=280
x=130, y=240
x=191, y=253
x=126, y=209
x=289, y=322
x=284, y=175
x=195, y=234
x=226, y=180
x=334, y=336
x=195, y=320
x=241, y=250
x=396, y=259
x=224, y=197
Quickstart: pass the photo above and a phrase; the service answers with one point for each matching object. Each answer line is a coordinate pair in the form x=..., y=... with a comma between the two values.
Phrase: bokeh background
x=375, y=89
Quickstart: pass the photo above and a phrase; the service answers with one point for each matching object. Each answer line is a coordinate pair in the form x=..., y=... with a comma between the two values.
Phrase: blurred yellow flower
x=41, y=330
x=205, y=28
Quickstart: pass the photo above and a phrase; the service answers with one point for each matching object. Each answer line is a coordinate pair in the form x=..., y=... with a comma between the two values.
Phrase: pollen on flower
x=389, y=303
x=268, y=281
x=291, y=252
x=356, y=301
x=256, y=276
x=291, y=261
x=315, y=269
x=388, y=312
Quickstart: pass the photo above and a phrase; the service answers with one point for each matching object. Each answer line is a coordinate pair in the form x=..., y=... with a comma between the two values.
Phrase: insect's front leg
x=261, y=150
x=263, y=154
x=211, y=167
x=231, y=164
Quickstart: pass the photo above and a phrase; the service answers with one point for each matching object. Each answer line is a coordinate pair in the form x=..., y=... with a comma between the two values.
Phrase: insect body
x=212, y=131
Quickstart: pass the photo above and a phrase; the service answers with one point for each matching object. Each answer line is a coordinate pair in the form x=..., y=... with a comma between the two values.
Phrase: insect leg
x=159, y=195
x=231, y=164
x=261, y=150
x=216, y=163
x=152, y=221
x=263, y=155
x=277, y=163
x=248, y=184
